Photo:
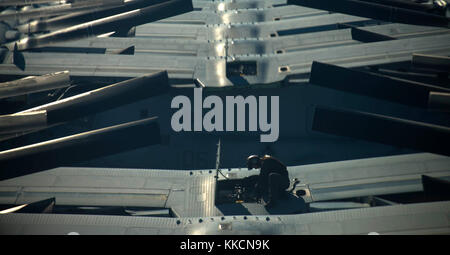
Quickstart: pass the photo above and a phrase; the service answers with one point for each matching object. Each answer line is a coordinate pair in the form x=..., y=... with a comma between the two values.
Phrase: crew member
x=273, y=179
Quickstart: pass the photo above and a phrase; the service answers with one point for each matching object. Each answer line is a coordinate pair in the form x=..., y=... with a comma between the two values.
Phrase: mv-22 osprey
x=363, y=116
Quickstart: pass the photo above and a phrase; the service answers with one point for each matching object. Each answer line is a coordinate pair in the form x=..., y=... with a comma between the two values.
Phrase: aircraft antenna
x=218, y=160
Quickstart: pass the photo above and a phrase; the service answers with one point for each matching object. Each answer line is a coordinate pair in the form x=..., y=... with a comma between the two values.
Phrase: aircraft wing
x=426, y=218
x=190, y=196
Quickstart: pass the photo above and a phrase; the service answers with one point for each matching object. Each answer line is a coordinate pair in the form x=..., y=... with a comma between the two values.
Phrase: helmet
x=253, y=161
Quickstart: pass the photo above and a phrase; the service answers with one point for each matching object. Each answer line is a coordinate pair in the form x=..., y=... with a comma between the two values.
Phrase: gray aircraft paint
x=197, y=45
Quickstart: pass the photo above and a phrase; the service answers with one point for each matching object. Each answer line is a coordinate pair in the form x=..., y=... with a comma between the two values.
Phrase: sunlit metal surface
x=283, y=40
x=245, y=47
